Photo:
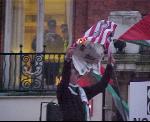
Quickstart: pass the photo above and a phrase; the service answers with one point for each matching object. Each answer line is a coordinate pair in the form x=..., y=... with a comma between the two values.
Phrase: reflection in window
x=55, y=16
x=30, y=12
x=17, y=25
x=24, y=25
x=56, y=36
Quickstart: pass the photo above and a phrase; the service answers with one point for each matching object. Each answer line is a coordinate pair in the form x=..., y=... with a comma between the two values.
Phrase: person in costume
x=72, y=98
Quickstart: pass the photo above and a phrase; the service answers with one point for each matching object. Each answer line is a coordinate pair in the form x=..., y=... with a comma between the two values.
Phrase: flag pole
x=119, y=91
x=112, y=61
x=103, y=106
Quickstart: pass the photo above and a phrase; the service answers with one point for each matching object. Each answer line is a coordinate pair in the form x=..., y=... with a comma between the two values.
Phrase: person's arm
x=101, y=85
x=66, y=73
x=67, y=68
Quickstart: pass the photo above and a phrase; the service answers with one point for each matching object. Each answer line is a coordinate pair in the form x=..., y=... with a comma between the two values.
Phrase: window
x=47, y=21
x=34, y=23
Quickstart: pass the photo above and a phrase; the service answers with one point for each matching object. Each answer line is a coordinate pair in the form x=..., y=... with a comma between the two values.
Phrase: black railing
x=30, y=71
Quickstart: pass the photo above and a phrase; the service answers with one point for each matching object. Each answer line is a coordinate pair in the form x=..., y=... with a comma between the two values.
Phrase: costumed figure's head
x=90, y=49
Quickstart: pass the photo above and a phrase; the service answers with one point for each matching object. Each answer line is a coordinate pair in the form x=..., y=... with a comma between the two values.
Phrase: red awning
x=138, y=32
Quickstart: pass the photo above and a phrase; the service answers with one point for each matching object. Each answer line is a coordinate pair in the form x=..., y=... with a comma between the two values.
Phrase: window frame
x=40, y=25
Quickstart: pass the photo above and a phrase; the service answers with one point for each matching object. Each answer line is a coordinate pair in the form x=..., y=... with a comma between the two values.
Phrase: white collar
x=72, y=85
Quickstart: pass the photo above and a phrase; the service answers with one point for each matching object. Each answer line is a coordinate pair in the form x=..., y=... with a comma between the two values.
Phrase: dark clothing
x=71, y=105
x=119, y=45
x=54, y=43
x=51, y=70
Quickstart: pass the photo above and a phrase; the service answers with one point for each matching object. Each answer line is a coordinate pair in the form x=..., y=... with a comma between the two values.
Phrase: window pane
x=24, y=25
x=56, y=31
x=55, y=36
x=17, y=25
x=24, y=14
x=30, y=12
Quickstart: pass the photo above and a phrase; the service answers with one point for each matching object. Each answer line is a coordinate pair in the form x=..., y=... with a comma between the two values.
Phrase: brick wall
x=80, y=17
x=88, y=12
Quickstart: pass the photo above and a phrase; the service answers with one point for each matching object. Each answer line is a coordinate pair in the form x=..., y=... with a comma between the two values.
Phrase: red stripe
x=99, y=41
x=100, y=38
x=114, y=27
x=102, y=70
x=92, y=30
x=106, y=41
x=94, y=38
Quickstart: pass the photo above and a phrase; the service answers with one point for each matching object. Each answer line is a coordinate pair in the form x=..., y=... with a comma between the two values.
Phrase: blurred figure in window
x=52, y=40
x=65, y=33
x=73, y=99
x=54, y=44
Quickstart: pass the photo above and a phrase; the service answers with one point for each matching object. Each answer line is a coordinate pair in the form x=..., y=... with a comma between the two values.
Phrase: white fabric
x=100, y=32
x=89, y=58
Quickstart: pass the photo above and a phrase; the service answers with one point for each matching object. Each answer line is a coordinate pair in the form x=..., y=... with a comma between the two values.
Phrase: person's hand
x=111, y=60
x=110, y=70
x=69, y=53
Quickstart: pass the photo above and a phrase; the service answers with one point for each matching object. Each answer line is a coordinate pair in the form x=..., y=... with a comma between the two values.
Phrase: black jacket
x=71, y=105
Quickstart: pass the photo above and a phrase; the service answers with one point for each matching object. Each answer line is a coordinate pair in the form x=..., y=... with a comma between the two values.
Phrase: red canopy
x=139, y=31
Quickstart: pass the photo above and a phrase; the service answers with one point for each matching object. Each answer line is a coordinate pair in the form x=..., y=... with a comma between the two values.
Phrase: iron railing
x=35, y=72
x=30, y=71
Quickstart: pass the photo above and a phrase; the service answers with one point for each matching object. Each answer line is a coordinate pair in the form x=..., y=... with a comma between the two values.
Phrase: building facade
x=130, y=67
x=95, y=10
x=27, y=25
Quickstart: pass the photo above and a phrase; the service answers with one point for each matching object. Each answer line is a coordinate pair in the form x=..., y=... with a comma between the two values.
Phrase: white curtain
x=8, y=26
x=40, y=27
